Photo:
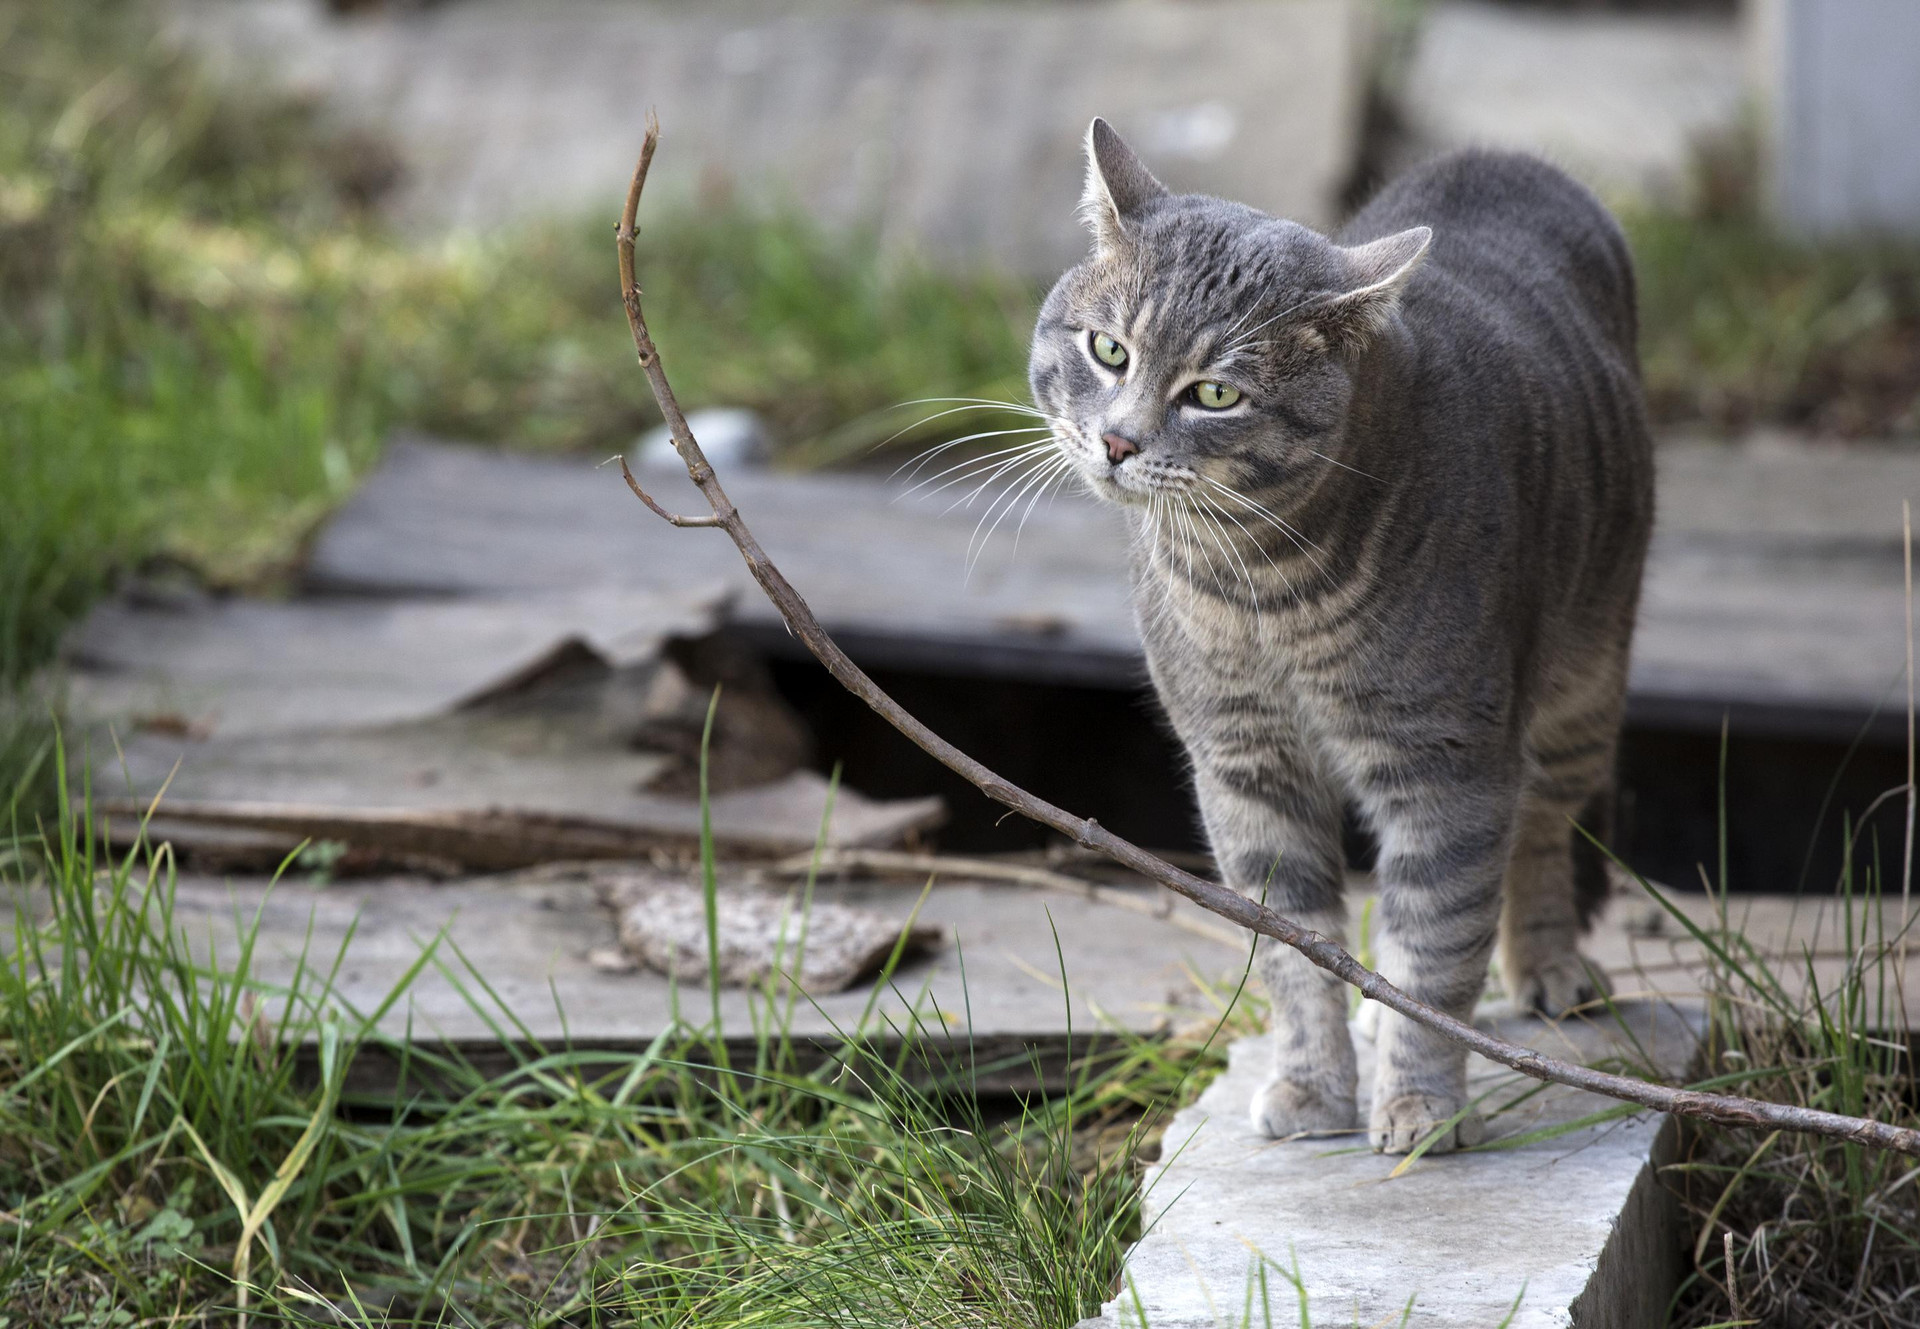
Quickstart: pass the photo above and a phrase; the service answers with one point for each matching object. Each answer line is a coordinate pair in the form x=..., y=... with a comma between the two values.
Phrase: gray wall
x=955, y=127
x=1838, y=85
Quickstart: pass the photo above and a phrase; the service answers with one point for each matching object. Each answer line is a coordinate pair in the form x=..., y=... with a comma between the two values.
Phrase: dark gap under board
x=1107, y=753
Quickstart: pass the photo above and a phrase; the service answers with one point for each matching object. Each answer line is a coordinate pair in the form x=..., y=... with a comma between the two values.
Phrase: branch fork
x=671, y=518
x=1722, y=1109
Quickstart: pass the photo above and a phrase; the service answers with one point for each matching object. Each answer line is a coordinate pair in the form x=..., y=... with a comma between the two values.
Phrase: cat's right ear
x=1380, y=272
x=1119, y=187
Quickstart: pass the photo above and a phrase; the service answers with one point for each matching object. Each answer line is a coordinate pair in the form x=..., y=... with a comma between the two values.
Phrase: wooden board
x=242, y=668
x=1774, y=594
x=448, y=792
x=996, y=979
x=478, y=732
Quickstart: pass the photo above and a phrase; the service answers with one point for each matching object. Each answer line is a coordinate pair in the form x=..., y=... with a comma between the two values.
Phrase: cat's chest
x=1231, y=633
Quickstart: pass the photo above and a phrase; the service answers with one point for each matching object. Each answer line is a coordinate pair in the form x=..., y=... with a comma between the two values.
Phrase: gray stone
x=953, y=128
x=1617, y=99
x=1569, y=1230
x=729, y=435
x=1838, y=86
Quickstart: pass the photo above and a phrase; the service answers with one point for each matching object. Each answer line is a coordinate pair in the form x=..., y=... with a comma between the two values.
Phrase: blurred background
x=246, y=243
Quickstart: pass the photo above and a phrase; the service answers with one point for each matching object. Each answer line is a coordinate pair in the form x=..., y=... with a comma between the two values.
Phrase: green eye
x=1215, y=396
x=1109, y=351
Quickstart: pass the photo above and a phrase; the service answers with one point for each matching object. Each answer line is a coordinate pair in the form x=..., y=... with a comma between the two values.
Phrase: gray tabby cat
x=1390, y=496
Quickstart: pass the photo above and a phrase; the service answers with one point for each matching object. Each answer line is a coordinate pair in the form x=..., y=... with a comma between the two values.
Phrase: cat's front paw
x=1401, y=1123
x=1291, y=1107
x=1559, y=986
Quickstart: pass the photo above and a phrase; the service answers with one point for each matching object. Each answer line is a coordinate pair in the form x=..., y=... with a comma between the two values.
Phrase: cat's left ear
x=1380, y=271
x=1119, y=187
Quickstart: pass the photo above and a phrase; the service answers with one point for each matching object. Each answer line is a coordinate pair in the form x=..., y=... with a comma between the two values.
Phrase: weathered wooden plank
x=995, y=984
x=236, y=667
x=434, y=794
x=440, y=519
x=1774, y=593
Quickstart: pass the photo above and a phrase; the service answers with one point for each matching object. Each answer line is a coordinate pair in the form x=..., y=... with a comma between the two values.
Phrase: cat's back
x=1519, y=239
x=1523, y=374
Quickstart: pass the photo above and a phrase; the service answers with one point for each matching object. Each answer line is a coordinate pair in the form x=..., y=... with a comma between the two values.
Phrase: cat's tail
x=1592, y=877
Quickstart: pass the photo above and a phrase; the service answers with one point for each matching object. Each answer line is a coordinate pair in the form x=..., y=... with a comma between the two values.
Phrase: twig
x=1723, y=1109
x=1733, y=1284
x=886, y=860
x=1906, y=857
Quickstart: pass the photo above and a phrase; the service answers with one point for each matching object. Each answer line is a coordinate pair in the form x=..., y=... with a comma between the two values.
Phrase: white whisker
x=1008, y=499
x=1343, y=466
x=961, y=471
x=912, y=425
x=1214, y=504
x=1062, y=466
x=1018, y=408
x=1193, y=529
x=1302, y=304
x=1300, y=542
x=914, y=465
x=966, y=500
x=1245, y=314
x=1229, y=554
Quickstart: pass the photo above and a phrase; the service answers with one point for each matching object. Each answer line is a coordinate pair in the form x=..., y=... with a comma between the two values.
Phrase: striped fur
x=1399, y=575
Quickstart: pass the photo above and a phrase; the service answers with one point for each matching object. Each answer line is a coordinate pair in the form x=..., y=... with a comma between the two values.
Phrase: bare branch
x=671, y=518
x=1723, y=1109
x=987, y=869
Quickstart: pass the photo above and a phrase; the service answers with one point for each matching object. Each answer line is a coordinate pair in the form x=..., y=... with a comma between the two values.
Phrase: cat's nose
x=1118, y=448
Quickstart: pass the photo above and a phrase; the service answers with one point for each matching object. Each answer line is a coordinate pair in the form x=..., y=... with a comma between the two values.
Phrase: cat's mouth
x=1135, y=481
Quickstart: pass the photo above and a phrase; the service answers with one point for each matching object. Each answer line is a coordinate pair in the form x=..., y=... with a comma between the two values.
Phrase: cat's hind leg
x=1545, y=909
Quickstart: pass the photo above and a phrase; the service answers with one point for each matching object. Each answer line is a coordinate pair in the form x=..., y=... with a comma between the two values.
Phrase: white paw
x=1565, y=983
x=1401, y=1123
x=1291, y=1107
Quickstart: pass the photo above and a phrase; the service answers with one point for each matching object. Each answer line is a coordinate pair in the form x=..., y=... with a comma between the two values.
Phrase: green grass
x=173, y=1131
x=177, y=1145
x=1789, y=1229
x=1743, y=328
x=205, y=334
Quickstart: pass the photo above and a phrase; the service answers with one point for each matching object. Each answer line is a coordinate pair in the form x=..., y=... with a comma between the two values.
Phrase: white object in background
x=1838, y=88
x=731, y=436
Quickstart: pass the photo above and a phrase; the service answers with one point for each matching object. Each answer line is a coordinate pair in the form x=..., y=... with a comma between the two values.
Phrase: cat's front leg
x=1440, y=868
x=1311, y=1089
x=1276, y=839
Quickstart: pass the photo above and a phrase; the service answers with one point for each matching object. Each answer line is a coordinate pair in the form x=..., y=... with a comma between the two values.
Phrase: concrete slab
x=1515, y=1234
x=953, y=129
x=1616, y=99
x=1572, y=1230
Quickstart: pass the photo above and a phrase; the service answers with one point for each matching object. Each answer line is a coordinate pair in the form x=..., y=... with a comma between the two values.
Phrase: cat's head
x=1202, y=340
